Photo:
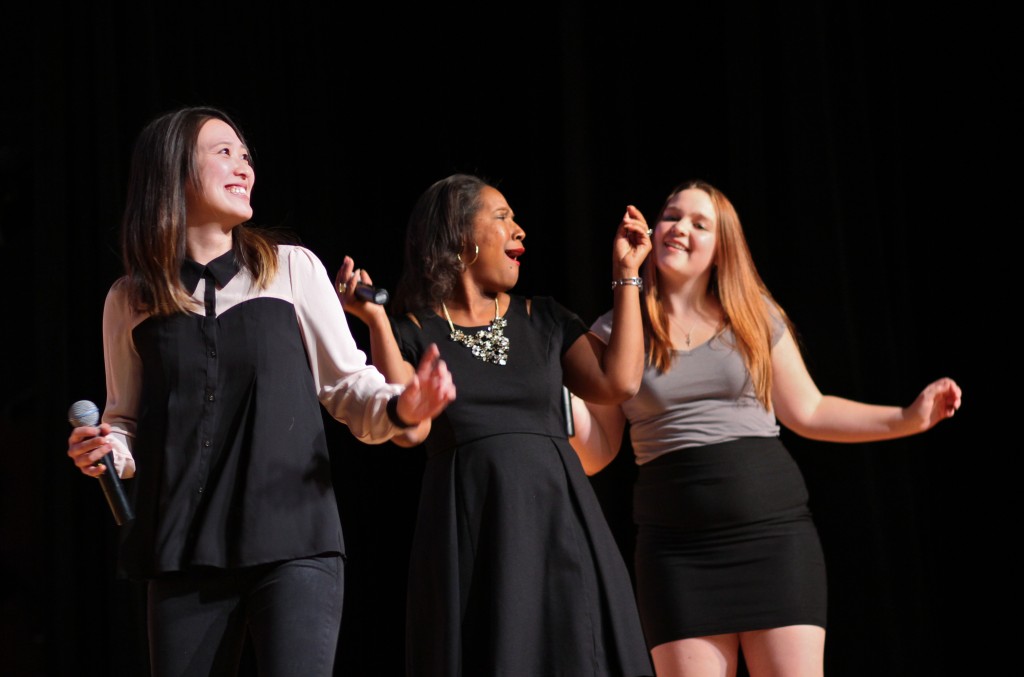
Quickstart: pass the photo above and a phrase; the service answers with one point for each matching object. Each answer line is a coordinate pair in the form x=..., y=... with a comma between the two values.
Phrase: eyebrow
x=228, y=142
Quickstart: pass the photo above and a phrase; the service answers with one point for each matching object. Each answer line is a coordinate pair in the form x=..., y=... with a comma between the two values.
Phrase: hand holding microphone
x=82, y=448
x=357, y=293
x=370, y=294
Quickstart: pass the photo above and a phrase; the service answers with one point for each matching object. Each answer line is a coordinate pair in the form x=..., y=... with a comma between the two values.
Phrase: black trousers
x=198, y=622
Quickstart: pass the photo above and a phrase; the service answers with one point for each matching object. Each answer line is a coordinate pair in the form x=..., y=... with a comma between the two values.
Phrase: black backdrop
x=854, y=140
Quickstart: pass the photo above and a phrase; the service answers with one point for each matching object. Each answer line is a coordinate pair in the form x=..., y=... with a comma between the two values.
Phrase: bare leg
x=713, y=656
x=791, y=651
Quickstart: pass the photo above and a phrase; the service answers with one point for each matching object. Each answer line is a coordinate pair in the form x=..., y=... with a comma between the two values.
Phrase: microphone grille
x=83, y=413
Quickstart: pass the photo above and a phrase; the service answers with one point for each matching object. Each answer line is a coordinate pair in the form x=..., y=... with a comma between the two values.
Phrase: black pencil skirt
x=725, y=542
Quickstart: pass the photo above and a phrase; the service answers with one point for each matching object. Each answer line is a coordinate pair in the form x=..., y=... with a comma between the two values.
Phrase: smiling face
x=685, y=236
x=499, y=238
x=224, y=178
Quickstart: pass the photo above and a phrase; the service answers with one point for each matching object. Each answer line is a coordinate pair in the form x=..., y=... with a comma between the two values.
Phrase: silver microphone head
x=83, y=413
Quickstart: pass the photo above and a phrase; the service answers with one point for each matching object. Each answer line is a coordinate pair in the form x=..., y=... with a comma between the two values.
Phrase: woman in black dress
x=513, y=569
x=727, y=555
x=220, y=346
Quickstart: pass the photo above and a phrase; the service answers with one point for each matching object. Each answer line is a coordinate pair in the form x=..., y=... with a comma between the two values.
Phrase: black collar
x=222, y=268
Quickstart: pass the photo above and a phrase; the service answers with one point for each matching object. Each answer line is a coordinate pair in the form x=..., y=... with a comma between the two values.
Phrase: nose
x=519, y=234
x=682, y=226
x=243, y=170
x=242, y=165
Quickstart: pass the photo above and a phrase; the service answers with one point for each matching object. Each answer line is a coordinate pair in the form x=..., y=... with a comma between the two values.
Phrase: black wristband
x=392, y=410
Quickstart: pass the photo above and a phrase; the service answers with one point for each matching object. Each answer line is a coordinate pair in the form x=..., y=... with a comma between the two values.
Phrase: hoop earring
x=476, y=255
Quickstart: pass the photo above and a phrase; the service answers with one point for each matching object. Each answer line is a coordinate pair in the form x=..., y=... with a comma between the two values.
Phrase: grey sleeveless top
x=706, y=397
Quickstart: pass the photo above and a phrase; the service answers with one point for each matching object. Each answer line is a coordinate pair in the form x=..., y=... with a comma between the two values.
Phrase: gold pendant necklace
x=490, y=344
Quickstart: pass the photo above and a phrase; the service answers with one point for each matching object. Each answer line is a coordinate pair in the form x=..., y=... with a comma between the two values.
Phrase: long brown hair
x=739, y=289
x=153, y=228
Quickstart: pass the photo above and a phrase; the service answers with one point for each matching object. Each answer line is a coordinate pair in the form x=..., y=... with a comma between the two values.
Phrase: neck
x=688, y=297
x=473, y=306
x=204, y=244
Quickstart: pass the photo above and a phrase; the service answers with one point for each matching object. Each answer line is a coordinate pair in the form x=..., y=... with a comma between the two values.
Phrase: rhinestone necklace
x=490, y=344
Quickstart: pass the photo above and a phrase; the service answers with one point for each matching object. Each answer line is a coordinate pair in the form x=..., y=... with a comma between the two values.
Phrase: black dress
x=514, y=570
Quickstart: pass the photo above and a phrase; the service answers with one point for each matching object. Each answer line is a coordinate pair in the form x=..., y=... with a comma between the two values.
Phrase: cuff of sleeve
x=392, y=410
x=124, y=463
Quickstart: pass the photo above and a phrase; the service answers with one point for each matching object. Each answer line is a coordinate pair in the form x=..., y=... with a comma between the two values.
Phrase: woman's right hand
x=89, y=444
x=632, y=244
x=345, y=285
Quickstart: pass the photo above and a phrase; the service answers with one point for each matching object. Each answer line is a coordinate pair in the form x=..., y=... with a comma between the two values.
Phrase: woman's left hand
x=937, y=401
x=632, y=244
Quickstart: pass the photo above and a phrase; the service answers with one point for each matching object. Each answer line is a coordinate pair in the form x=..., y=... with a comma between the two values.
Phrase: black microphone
x=570, y=422
x=85, y=413
x=368, y=294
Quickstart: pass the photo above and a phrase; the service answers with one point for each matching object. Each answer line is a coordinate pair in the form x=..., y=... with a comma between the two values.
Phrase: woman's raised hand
x=632, y=244
x=345, y=283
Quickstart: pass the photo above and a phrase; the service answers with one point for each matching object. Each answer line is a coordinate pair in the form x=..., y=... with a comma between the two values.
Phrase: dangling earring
x=476, y=255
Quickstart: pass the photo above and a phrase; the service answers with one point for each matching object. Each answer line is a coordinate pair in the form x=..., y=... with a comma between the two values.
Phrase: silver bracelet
x=629, y=281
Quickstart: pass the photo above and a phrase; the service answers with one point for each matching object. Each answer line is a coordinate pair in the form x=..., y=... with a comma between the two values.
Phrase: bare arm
x=801, y=407
x=431, y=380
x=598, y=435
x=611, y=374
x=384, y=351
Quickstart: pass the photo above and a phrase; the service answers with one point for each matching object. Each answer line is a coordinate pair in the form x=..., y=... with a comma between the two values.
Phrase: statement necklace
x=490, y=344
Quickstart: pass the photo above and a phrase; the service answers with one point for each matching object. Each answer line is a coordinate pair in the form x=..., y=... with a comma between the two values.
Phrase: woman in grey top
x=727, y=555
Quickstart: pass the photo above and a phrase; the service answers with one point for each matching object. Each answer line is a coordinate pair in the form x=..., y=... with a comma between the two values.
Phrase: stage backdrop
x=847, y=136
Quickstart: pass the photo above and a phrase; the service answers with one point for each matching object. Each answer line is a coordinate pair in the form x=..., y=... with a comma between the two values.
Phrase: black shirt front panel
x=253, y=470
x=218, y=412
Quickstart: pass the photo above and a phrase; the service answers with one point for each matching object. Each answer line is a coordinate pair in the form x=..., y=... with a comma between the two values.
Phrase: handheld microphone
x=365, y=292
x=85, y=413
x=570, y=422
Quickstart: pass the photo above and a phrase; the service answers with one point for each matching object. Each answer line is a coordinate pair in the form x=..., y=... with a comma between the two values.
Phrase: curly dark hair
x=440, y=226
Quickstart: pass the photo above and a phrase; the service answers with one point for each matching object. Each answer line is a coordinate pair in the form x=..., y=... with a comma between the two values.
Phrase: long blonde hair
x=737, y=286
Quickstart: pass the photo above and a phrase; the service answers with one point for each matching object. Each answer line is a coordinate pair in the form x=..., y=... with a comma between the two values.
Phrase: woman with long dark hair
x=220, y=347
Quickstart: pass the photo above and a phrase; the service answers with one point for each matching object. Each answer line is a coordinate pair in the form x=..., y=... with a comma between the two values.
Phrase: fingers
x=434, y=371
x=942, y=398
x=87, y=446
x=634, y=213
x=434, y=379
x=634, y=220
x=344, y=274
x=347, y=278
x=634, y=225
x=429, y=360
x=442, y=385
x=952, y=394
x=947, y=390
x=632, y=243
x=424, y=399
